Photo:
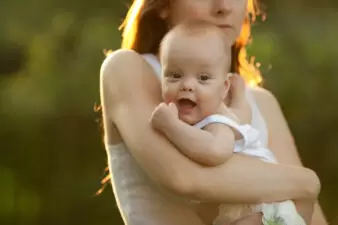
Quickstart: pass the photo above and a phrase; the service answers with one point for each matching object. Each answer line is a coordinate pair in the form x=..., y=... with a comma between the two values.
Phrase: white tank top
x=140, y=200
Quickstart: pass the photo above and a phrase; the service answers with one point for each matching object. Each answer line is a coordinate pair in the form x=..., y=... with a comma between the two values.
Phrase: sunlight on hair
x=248, y=70
x=130, y=24
x=251, y=7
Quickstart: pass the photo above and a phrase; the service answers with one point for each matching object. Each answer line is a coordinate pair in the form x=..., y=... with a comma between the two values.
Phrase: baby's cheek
x=205, y=110
x=212, y=107
x=211, y=101
x=168, y=97
x=168, y=92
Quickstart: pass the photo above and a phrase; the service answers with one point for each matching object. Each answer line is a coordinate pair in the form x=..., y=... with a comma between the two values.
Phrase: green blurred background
x=52, y=156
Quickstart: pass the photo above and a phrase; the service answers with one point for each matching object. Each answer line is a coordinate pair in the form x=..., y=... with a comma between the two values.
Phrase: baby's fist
x=163, y=114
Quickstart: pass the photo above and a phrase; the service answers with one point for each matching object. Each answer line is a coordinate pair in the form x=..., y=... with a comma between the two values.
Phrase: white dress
x=139, y=199
x=284, y=213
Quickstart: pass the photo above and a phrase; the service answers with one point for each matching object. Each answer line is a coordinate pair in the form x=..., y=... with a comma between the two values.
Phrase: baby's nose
x=186, y=89
x=188, y=85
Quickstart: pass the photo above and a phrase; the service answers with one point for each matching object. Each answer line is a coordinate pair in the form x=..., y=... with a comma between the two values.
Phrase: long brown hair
x=143, y=30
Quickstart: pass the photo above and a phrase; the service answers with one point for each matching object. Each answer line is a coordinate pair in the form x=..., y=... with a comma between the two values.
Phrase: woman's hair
x=143, y=30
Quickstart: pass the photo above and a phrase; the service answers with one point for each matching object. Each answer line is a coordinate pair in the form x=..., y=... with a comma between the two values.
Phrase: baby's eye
x=174, y=75
x=204, y=77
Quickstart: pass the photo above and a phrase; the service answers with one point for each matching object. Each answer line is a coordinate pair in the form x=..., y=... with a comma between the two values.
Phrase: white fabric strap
x=216, y=118
x=155, y=64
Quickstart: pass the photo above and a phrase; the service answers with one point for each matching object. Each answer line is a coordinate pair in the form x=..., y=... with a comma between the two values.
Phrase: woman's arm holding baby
x=211, y=147
x=282, y=144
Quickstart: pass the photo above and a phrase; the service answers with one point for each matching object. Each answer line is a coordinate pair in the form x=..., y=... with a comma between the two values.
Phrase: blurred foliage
x=52, y=156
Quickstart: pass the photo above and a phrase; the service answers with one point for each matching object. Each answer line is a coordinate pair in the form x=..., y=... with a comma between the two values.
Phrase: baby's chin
x=189, y=119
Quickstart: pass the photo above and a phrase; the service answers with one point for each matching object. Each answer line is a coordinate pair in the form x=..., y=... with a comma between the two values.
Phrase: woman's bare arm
x=130, y=92
x=280, y=138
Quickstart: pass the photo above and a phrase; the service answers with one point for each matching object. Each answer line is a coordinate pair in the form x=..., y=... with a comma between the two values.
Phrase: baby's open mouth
x=185, y=103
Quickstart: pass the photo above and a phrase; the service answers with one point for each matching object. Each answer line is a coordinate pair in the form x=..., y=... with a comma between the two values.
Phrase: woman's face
x=227, y=14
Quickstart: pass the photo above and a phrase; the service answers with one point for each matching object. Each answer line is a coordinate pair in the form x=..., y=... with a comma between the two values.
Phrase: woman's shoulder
x=125, y=67
x=121, y=60
x=123, y=73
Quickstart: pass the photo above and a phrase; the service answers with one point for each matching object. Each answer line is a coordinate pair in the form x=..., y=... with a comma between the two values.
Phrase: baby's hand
x=239, y=104
x=163, y=115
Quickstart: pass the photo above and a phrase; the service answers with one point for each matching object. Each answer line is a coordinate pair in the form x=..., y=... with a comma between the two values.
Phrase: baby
x=196, y=58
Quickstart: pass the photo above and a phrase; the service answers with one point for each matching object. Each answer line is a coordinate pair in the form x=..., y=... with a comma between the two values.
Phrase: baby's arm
x=211, y=146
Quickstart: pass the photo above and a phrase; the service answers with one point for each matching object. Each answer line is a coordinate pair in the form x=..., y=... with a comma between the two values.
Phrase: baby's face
x=194, y=76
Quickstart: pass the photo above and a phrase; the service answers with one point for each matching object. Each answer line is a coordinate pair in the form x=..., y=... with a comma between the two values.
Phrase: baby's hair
x=194, y=28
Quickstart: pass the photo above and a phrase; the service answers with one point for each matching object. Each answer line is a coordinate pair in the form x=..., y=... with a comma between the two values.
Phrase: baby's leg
x=252, y=219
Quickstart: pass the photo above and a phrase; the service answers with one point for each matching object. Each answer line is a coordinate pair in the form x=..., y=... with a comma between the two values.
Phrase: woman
x=150, y=177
